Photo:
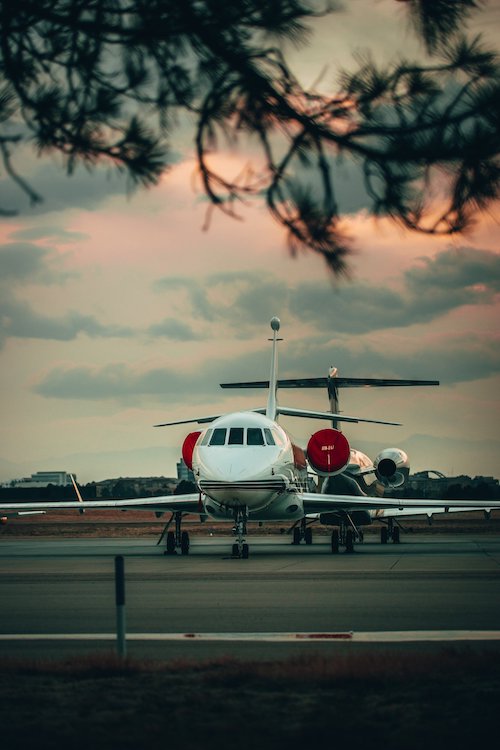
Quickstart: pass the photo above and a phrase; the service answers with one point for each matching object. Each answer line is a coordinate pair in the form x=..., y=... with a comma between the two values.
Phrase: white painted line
x=384, y=636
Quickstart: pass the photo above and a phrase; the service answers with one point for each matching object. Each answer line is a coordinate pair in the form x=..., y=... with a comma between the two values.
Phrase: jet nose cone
x=238, y=465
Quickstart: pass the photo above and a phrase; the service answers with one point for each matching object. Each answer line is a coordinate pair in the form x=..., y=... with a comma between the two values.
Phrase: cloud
x=242, y=298
x=114, y=381
x=19, y=320
x=51, y=232
x=60, y=191
x=121, y=381
x=451, y=360
x=25, y=263
x=436, y=286
x=430, y=289
x=456, y=360
x=174, y=329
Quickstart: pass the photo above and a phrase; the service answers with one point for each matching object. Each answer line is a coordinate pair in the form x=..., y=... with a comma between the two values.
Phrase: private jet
x=247, y=468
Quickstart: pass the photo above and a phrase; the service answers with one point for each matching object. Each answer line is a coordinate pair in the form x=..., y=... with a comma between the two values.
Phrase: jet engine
x=392, y=467
x=328, y=452
x=188, y=448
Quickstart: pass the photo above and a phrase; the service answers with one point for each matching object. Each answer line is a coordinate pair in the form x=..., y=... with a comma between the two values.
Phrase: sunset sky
x=120, y=311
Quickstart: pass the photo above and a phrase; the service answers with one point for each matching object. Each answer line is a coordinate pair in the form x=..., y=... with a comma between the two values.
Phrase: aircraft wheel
x=349, y=541
x=244, y=551
x=296, y=535
x=235, y=551
x=308, y=535
x=335, y=542
x=185, y=543
x=170, y=543
x=383, y=535
x=395, y=535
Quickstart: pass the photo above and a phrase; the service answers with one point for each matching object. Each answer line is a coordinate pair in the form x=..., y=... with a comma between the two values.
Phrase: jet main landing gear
x=345, y=535
x=390, y=532
x=177, y=539
x=302, y=532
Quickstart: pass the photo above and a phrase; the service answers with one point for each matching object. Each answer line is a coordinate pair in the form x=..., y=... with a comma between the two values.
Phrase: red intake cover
x=188, y=448
x=328, y=451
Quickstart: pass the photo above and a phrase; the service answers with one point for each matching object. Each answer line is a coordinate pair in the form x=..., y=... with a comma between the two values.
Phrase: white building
x=42, y=479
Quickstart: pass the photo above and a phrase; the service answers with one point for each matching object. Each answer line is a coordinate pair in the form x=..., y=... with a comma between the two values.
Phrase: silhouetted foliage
x=185, y=487
x=101, y=80
x=481, y=491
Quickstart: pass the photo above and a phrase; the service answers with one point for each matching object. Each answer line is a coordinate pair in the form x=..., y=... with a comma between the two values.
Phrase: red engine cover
x=188, y=448
x=328, y=451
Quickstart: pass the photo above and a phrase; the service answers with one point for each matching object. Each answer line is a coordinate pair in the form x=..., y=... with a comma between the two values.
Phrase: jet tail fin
x=271, y=409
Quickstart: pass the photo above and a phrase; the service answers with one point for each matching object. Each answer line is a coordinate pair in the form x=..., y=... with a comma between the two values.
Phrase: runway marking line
x=387, y=636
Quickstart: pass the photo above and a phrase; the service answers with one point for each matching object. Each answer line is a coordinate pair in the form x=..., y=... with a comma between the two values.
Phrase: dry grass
x=379, y=699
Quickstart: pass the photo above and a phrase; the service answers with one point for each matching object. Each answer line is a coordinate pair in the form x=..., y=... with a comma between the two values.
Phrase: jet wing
x=204, y=420
x=319, y=503
x=184, y=503
x=287, y=411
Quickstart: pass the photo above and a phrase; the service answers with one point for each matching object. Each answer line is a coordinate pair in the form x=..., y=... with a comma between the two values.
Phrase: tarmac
x=431, y=591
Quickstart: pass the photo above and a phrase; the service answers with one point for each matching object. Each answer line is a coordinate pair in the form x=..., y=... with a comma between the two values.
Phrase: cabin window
x=269, y=436
x=236, y=436
x=277, y=437
x=206, y=437
x=218, y=437
x=254, y=436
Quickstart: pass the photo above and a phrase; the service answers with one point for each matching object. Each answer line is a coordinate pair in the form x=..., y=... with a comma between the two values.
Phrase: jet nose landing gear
x=240, y=547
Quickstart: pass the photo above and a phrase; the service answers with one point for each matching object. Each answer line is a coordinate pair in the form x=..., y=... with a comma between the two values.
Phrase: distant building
x=434, y=484
x=183, y=473
x=42, y=479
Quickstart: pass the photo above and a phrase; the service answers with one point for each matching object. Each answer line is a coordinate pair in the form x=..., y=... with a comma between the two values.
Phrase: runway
x=439, y=582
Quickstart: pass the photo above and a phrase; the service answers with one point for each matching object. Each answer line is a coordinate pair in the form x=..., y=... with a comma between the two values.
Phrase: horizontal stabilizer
x=337, y=381
x=307, y=413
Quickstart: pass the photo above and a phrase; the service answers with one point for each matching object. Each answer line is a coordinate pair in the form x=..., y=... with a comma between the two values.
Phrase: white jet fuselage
x=247, y=460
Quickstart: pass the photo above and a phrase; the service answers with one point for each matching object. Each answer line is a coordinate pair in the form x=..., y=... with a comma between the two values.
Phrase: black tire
x=335, y=542
x=383, y=535
x=296, y=535
x=349, y=541
x=185, y=543
x=308, y=535
x=395, y=535
x=235, y=551
x=170, y=543
x=244, y=551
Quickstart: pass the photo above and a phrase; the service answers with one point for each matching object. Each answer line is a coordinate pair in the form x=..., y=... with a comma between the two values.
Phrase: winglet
x=80, y=498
